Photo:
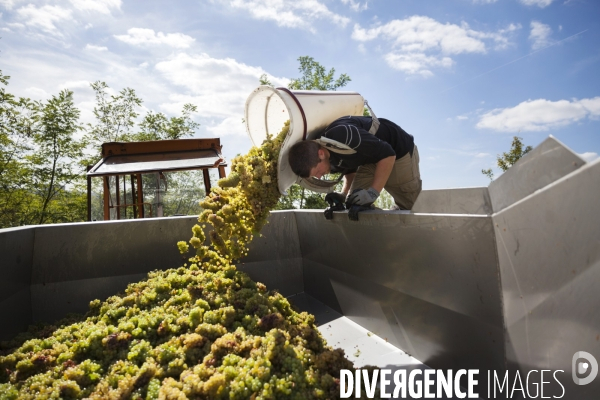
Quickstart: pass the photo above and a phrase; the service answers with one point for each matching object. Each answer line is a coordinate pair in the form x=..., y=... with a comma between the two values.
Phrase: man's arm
x=348, y=179
x=383, y=169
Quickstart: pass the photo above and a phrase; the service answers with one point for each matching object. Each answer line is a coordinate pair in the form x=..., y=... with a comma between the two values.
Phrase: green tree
x=314, y=76
x=53, y=164
x=508, y=159
x=156, y=126
x=115, y=118
x=15, y=141
x=264, y=80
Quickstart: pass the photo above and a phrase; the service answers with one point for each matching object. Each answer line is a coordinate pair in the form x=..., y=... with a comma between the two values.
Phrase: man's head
x=308, y=158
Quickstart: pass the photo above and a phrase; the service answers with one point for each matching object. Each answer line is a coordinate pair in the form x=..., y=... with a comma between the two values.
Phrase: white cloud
x=143, y=37
x=418, y=42
x=230, y=126
x=44, y=18
x=484, y=1
x=462, y=117
x=9, y=4
x=37, y=93
x=540, y=115
x=540, y=35
x=416, y=63
x=589, y=156
x=539, y=3
x=74, y=85
x=95, y=48
x=289, y=13
x=219, y=87
x=101, y=6
x=355, y=5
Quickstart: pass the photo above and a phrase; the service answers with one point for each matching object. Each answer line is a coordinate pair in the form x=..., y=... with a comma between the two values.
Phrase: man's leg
x=404, y=183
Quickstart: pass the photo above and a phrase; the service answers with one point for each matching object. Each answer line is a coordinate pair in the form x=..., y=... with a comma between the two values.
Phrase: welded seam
x=410, y=346
x=512, y=267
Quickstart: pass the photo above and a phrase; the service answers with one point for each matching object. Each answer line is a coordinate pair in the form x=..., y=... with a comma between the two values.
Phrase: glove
x=336, y=203
x=335, y=199
x=362, y=197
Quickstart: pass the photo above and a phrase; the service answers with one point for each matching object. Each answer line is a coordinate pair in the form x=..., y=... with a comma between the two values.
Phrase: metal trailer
x=498, y=278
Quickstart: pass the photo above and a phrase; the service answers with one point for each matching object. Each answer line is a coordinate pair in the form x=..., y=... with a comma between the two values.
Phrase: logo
x=581, y=367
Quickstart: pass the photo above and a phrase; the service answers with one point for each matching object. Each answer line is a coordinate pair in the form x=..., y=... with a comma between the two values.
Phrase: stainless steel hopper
x=496, y=278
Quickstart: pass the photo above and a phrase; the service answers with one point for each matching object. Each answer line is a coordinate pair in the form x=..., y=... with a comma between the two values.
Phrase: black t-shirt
x=353, y=131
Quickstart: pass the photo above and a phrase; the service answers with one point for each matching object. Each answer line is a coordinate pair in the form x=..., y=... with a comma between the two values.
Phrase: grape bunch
x=202, y=331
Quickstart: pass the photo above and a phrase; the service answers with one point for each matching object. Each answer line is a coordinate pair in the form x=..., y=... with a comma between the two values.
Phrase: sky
x=462, y=76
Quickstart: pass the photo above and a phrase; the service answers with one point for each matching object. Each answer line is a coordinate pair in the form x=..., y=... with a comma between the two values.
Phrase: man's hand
x=362, y=197
x=335, y=199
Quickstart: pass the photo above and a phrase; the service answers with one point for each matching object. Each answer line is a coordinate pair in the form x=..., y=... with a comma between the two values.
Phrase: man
x=369, y=162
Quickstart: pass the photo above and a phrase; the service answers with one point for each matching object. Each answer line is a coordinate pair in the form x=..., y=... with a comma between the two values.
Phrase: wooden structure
x=129, y=160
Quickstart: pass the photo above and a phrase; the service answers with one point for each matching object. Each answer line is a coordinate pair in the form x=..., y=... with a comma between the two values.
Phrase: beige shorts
x=404, y=183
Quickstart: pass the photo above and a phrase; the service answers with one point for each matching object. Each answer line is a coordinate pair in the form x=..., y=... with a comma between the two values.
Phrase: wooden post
x=89, y=194
x=140, y=195
x=118, y=197
x=133, y=198
x=206, y=180
x=106, y=198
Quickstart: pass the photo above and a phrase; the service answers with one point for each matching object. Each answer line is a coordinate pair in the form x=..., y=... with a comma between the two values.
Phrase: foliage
x=315, y=77
x=115, y=117
x=264, y=80
x=508, y=159
x=15, y=133
x=51, y=164
x=156, y=126
x=385, y=201
x=43, y=150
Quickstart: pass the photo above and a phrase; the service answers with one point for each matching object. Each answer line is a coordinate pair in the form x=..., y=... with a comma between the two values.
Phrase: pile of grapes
x=201, y=331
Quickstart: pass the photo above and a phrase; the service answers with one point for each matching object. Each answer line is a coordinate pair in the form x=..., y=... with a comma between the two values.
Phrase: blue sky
x=462, y=76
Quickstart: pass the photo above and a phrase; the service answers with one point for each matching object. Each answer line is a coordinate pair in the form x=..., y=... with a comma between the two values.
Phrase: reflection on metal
x=452, y=285
x=549, y=257
x=549, y=161
x=154, y=158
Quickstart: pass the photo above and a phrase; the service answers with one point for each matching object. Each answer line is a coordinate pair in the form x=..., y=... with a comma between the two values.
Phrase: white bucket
x=309, y=112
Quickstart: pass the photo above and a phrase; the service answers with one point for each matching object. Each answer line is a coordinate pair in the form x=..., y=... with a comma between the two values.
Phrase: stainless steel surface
x=274, y=257
x=49, y=271
x=517, y=289
x=549, y=254
x=546, y=163
x=361, y=346
x=474, y=200
x=16, y=251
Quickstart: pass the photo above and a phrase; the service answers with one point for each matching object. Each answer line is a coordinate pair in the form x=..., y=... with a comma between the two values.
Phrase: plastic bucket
x=309, y=112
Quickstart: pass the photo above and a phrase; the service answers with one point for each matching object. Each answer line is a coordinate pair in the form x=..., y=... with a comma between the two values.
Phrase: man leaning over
x=370, y=158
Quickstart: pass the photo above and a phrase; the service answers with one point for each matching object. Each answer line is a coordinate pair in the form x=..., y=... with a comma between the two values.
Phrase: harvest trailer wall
x=504, y=277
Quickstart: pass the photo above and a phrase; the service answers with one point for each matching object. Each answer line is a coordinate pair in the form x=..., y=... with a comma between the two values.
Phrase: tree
x=53, y=163
x=115, y=117
x=264, y=80
x=156, y=126
x=507, y=160
x=15, y=141
x=314, y=77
